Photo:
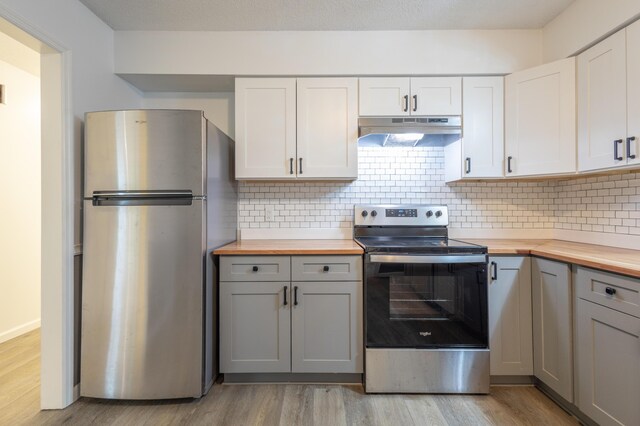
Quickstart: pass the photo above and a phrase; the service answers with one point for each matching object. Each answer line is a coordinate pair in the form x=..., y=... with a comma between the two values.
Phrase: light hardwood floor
x=267, y=404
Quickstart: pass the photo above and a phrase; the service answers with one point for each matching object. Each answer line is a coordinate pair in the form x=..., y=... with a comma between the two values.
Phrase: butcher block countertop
x=612, y=259
x=290, y=247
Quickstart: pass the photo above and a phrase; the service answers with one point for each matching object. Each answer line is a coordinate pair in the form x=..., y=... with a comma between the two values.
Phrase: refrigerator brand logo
x=425, y=333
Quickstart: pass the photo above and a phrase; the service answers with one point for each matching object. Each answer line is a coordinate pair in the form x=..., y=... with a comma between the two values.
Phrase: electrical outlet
x=269, y=213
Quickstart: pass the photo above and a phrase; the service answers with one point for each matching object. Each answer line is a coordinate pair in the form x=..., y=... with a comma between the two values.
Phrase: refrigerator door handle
x=138, y=198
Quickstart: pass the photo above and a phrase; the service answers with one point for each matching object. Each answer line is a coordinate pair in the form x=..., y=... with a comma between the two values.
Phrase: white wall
x=20, y=189
x=583, y=23
x=326, y=52
x=217, y=107
x=93, y=84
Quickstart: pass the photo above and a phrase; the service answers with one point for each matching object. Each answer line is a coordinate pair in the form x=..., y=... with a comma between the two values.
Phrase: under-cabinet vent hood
x=408, y=131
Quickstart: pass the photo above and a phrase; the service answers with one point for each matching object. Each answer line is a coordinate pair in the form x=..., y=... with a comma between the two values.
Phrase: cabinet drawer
x=255, y=268
x=326, y=268
x=625, y=292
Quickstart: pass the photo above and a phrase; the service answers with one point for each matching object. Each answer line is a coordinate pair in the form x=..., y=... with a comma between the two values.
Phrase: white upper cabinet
x=540, y=120
x=384, y=96
x=602, y=109
x=306, y=133
x=436, y=96
x=398, y=96
x=265, y=128
x=327, y=127
x=483, y=127
x=633, y=94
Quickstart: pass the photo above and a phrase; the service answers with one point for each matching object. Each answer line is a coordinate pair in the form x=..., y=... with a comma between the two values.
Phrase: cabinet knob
x=325, y=268
x=610, y=291
x=255, y=269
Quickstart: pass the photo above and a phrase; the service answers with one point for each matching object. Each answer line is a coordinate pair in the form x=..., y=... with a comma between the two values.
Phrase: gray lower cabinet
x=608, y=347
x=255, y=327
x=269, y=324
x=326, y=327
x=552, y=325
x=510, y=319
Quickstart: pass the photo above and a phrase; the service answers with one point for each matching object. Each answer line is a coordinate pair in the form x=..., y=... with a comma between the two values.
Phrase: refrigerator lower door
x=142, y=301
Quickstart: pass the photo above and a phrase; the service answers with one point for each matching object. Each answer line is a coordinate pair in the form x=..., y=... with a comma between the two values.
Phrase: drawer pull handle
x=325, y=269
x=494, y=271
x=610, y=291
x=295, y=295
x=255, y=269
x=285, y=296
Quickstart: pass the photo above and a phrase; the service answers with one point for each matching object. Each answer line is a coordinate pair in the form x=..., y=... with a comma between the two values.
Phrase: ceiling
x=324, y=15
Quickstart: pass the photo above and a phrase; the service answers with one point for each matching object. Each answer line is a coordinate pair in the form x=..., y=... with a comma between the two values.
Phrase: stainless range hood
x=408, y=131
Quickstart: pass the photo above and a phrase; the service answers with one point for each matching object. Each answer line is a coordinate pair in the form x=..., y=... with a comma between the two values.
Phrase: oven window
x=426, y=305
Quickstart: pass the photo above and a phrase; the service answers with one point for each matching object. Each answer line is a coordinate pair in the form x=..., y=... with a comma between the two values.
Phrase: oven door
x=426, y=301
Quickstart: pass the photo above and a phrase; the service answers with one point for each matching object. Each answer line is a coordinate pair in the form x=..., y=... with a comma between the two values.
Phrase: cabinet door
x=552, y=332
x=326, y=332
x=483, y=124
x=384, y=96
x=265, y=128
x=608, y=364
x=436, y=96
x=255, y=327
x=633, y=93
x=540, y=108
x=510, y=321
x=327, y=128
x=602, y=115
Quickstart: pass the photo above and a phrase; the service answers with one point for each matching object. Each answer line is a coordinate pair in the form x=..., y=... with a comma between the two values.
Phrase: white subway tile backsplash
x=416, y=175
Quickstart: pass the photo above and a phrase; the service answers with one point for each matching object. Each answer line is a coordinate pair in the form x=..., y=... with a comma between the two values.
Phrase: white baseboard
x=19, y=330
x=489, y=233
x=297, y=234
x=599, y=238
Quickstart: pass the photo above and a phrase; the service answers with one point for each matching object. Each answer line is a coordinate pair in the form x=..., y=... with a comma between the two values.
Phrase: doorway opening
x=37, y=217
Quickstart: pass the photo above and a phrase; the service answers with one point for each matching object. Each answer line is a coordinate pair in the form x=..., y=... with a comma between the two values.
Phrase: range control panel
x=400, y=215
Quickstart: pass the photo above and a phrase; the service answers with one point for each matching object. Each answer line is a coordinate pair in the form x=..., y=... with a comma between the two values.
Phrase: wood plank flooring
x=267, y=404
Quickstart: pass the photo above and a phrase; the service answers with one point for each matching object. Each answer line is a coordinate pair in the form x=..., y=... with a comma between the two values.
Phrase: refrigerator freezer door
x=142, y=301
x=142, y=150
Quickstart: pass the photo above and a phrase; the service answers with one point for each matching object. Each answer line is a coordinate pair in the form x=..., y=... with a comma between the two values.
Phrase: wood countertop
x=612, y=259
x=290, y=247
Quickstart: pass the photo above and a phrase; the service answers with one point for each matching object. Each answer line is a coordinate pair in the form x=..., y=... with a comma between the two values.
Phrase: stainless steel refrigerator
x=159, y=196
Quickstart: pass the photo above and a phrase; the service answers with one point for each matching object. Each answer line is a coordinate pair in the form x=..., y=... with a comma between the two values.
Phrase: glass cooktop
x=422, y=245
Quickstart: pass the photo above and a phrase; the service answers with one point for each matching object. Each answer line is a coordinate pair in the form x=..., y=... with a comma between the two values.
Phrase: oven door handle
x=464, y=258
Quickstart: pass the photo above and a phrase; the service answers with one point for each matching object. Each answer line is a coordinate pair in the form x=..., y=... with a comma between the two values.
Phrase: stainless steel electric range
x=426, y=319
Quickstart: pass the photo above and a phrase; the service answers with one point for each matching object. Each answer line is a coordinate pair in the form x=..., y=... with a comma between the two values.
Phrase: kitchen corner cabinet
x=404, y=96
x=608, y=104
x=282, y=314
x=608, y=347
x=552, y=325
x=540, y=120
x=480, y=151
x=510, y=319
x=288, y=128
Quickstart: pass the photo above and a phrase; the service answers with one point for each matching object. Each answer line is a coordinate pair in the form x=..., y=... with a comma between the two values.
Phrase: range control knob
x=438, y=213
x=429, y=213
x=374, y=213
x=365, y=213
